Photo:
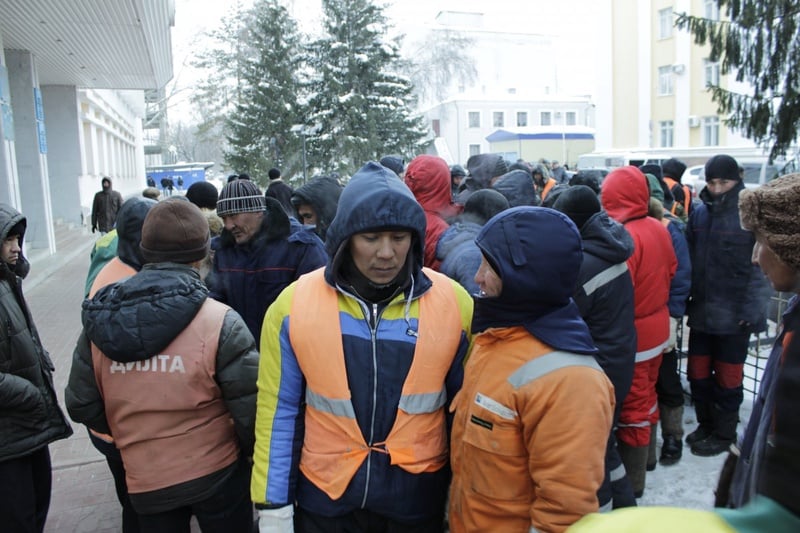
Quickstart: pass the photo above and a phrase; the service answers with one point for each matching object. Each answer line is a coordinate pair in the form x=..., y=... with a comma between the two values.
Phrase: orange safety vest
x=549, y=184
x=687, y=196
x=333, y=447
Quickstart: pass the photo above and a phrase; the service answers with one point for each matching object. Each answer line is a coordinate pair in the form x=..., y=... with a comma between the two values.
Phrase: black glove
x=94, y=228
x=722, y=494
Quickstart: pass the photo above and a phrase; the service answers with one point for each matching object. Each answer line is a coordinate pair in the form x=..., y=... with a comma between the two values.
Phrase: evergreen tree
x=359, y=103
x=259, y=135
x=759, y=42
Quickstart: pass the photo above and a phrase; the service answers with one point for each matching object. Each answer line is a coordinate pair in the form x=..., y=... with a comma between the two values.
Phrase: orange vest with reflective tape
x=687, y=196
x=334, y=447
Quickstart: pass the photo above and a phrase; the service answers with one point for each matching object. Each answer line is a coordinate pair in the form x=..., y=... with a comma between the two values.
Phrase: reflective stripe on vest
x=334, y=447
x=601, y=278
x=548, y=363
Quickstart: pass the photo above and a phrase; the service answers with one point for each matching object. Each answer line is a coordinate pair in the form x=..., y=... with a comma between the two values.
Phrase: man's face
x=9, y=250
x=719, y=186
x=307, y=215
x=782, y=276
x=243, y=226
x=380, y=256
x=488, y=281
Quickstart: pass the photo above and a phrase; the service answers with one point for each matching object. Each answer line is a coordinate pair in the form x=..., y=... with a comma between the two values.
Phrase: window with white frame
x=474, y=119
x=711, y=131
x=665, y=23
x=667, y=132
x=571, y=118
x=711, y=70
x=522, y=119
x=474, y=149
x=498, y=119
x=546, y=118
x=711, y=9
x=665, y=80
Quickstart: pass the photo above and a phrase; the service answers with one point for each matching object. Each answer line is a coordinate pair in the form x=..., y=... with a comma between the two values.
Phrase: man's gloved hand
x=673, y=333
x=280, y=520
x=94, y=228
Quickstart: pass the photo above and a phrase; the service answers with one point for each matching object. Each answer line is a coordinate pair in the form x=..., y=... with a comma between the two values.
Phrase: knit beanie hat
x=655, y=170
x=579, y=203
x=240, y=196
x=203, y=194
x=673, y=168
x=484, y=204
x=772, y=212
x=175, y=231
x=722, y=167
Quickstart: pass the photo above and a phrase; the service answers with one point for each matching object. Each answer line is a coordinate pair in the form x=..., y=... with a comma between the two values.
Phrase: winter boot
x=721, y=438
x=705, y=423
x=635, y=460
x=651, y=450
x=672, y=433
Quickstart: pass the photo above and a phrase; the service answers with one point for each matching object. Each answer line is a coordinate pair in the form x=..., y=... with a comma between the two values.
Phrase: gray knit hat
x=240, y=196
x=771, y=211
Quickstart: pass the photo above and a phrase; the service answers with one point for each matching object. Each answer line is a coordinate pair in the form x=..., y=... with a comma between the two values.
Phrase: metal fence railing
x=760, y=345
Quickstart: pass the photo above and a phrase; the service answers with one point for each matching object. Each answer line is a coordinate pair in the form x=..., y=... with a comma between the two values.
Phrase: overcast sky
x=572, y=22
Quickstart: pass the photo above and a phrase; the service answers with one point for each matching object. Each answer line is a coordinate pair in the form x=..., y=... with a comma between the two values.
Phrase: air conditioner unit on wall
x=679, y=68
x=694, y=121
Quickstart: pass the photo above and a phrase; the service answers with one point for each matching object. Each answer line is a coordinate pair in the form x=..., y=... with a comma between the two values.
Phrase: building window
x=571, y=118
x=665, y=80
x=498, y=119
x=522, y=119
x=665, y=23
x=474, y=119
x=666, y=129
x=711, y=70
x=474, y=149
x=546, y=118
x=711, y=9
x=711, y=131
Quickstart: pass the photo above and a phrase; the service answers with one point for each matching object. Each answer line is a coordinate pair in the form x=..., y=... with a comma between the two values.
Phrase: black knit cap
x=673, y=168
x=240, y=196
x=174, y=231
x=484, y=204
x=203, y=194
x=579, y=203
x=722, y=167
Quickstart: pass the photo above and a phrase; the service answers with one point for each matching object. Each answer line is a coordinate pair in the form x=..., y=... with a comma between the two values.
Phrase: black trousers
x=668, y=386
x=25, y=485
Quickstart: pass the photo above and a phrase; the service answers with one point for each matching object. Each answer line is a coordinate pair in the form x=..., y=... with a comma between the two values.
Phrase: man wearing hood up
x=527, y=451
x=30, y=418
x=315, y=203
x=105, y=206
x=359, y=362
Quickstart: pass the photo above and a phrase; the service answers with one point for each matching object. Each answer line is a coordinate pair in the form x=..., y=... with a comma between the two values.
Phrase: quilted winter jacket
x=726, y=287
x=30, y=417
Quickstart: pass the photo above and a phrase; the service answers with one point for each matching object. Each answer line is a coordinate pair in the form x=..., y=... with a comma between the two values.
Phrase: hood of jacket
x=10, y=218
x=136, y=319
x=130, y=219
x=606, y=238
x=321, y=193
x=625, y=195
x=517, y=187
x=537, y=254
x=483, y=167
x=460, y=232
x=375, y=198
x=428, y=177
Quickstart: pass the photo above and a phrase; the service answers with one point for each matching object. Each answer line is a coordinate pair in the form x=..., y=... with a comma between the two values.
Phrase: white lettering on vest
x=158, y=363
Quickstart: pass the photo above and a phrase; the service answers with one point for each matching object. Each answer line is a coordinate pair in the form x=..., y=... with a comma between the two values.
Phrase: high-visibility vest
x=334, y=447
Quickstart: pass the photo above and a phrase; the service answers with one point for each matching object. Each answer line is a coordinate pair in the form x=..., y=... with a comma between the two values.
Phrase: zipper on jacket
x=373, y=321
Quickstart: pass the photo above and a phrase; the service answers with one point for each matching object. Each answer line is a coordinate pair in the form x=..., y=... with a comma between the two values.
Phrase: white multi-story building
x=72, y=81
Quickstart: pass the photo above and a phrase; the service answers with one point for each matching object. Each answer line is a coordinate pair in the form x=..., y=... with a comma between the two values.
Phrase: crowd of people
x=487, y=347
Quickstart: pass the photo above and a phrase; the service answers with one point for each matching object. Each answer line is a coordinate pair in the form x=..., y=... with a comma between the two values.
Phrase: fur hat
x=673, y=168
x=579, y=203
x=174, y=231
x=771, y=211
x=722, y=167
x=203, y=194
x=240, y=196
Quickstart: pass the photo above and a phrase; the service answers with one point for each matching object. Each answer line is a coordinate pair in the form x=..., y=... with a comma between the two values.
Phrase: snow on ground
x=691, y=482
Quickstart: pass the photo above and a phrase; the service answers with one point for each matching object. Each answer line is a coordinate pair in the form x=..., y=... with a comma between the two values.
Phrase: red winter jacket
x=652, y=266
x=428, y=177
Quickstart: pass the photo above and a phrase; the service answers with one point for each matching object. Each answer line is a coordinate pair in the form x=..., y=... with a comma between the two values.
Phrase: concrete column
x=63, y=150
x=9, y=183
x=31, y=149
